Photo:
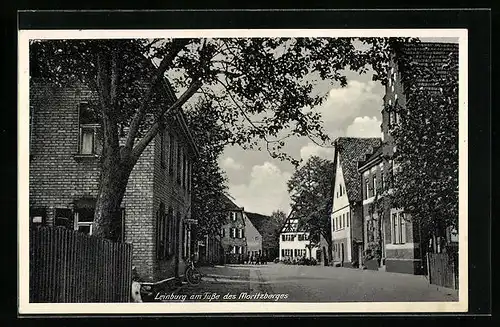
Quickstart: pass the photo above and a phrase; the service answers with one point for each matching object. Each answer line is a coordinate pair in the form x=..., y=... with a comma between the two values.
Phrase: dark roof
x=377, y=152
x=229, y=204
x=260, y=222
x=352, y=150
x=430, y=54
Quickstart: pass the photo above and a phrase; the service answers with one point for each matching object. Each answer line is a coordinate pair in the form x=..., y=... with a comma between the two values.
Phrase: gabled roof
x=431, y=54
x=350, y=151
x=229, y=205
x=291, y=224
x=260, y=222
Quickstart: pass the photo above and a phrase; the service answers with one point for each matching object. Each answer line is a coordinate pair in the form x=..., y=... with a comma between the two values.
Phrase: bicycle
x=193, y=275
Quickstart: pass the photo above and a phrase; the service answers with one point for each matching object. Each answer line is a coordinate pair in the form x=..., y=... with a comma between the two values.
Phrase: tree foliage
x=258, y=88
x=208, y=180
x=426, y=140
x=311, y=192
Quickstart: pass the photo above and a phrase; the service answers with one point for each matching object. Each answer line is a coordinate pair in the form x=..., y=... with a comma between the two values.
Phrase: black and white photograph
x=243, y=171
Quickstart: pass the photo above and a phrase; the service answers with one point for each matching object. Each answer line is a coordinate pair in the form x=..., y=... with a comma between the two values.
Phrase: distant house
x=267, y=229
x=346, y=216
x=403, y=249
x=253, y=236
x=233, y=238
x=294, y=241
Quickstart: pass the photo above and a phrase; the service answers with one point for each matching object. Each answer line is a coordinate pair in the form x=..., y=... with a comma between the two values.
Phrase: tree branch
x=177, y=46
x=151, y=133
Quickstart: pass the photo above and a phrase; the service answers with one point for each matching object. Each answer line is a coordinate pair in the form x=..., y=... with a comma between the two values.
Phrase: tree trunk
x=107, y=215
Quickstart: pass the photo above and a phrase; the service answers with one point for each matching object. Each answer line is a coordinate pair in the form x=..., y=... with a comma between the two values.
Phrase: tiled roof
x=229, y=204
x=430, y=54
x=260, y=222
x=350, y=151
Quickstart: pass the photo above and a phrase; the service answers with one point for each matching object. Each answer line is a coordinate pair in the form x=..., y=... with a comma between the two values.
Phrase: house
x=267, y=229
x=295, y=242
x=252, y=235
x=64, y=175
x=402, y=247
x=346, y=216
x=233, y=238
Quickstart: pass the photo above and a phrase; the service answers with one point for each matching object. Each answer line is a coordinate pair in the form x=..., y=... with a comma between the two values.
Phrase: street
x=294, y=283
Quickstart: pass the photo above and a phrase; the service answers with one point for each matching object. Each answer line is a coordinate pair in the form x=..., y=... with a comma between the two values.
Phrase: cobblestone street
x=278, y=282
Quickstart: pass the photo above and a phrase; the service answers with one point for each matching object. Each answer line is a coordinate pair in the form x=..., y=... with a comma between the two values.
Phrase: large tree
x=426, y=157
x=311, y=192
x=208, y=179
x=260, y=87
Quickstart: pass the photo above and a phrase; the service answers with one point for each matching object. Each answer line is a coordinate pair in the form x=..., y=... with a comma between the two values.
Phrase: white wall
x=296, y=244
x=341, y=207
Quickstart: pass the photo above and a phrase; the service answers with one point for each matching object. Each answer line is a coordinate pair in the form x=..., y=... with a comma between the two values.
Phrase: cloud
x=344, y=103
x=364, y=127
x=312, y=149
x=266, y=190
x=230, y=163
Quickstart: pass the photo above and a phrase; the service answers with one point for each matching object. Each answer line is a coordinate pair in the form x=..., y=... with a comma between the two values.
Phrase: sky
x=257, y=182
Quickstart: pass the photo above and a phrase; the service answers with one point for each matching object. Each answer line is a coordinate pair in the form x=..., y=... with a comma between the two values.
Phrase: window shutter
x=347, y=219
x=397, y=227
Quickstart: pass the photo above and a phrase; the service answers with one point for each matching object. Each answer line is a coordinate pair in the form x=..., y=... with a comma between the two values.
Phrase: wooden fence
x=70, y=267
x=443, y=269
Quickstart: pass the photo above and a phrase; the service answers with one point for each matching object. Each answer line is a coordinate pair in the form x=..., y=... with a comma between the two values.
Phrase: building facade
x=233, y=238
x=65, y=149
x=268, y=231
x=403, y=249
x=346, y=216
x=253, y=237
x=295, y=242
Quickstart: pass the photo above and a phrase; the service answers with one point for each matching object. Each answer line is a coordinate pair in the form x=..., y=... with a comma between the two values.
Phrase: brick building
x=64, y=177
x=346, y=216
x=234, y=242
x=402, y=250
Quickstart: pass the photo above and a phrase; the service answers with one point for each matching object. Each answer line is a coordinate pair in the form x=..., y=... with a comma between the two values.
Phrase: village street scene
x=283, y=169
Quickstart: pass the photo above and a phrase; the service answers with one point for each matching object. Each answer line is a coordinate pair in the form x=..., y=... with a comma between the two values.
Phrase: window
x=382, y=181
x=233, y=215
x=171, y=232
x=283, y=238
x=347, y=214
x=336, y=223
x=189, y=177
x=374, y=185
x=84, y=218
x=161, y=233
x=398, y=228
x=243, y=233
x=343, y=220
x=162, y=148
x=89, y=123
x=38, y=216
x=171, y=153
x=340, y=190
x=282, y=252
x=367, y=188
x=179, y=162
x=185, y=171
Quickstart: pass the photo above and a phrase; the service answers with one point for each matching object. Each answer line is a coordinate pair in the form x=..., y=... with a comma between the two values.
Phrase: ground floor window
x=398, y=228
